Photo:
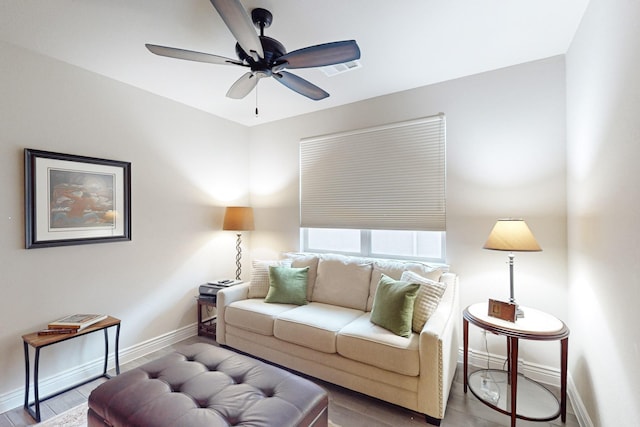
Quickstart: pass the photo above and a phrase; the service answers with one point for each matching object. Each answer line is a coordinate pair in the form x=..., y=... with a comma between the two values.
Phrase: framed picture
x=502, y=310
x=74, y=200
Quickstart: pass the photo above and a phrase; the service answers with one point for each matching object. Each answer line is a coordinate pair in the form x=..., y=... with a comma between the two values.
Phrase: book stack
x=72, y=324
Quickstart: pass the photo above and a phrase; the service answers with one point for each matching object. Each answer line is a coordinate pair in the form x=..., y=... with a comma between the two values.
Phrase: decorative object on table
x=502, y=310
x=72, y=200
x=210, y=289
x=512, y=235
x=77, y=321
x=238, y=218
x=225, y=283
x=57, y=331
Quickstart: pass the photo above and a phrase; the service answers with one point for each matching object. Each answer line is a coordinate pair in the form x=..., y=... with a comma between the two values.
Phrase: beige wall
x=506, y=157
x=603, y=133
x=186, y=165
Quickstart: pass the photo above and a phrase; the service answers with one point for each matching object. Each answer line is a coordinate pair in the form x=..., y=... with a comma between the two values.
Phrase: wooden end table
x=206, y=325
x=536, y=325
x=40, y=341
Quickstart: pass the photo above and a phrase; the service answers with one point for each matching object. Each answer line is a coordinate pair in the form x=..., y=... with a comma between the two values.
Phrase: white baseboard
x=578, y=405
x=51, y=385
x=540, y=373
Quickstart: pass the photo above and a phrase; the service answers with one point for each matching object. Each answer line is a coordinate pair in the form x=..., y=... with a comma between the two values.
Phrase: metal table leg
x=35, y=413
x=117, y=349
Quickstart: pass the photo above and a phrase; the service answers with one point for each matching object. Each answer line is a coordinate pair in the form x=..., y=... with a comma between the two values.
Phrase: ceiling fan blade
x=239, y=23
x=300, y=85
x=173, y=52
x=320, y=55
x=243, y=86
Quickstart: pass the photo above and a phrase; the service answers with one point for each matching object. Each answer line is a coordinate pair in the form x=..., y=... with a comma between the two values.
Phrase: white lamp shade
x=512, y=235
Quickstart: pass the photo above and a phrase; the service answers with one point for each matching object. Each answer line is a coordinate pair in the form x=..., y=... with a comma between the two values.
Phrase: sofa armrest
x=439, y=342
x=224, y=298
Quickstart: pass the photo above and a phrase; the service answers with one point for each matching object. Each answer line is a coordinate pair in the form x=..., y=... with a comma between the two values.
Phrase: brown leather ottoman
x=205, y=385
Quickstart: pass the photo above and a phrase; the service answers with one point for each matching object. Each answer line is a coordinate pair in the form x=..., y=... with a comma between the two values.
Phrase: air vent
x=332, y=70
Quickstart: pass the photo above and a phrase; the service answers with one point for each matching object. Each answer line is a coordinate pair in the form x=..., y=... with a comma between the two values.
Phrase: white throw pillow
x=342, y=281
x=259, y=286
x=394, y=269
x=427, y=299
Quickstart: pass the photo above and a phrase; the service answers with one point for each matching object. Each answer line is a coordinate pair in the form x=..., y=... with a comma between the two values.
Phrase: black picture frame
x=75, y=200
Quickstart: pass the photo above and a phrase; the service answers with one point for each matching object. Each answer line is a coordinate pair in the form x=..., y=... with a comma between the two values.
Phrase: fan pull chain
x=256, y=101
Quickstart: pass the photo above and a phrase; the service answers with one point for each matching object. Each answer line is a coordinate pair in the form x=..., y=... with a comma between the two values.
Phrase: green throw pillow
x=393, y=305
x=287, y=285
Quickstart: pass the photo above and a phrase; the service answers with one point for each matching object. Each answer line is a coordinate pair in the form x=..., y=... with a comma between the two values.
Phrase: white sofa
x=332, y=337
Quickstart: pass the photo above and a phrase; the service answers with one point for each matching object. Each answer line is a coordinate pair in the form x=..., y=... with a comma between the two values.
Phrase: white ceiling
x=405, y=44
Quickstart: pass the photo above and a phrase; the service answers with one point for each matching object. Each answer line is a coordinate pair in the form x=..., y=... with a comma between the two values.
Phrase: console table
x=492, y=386
x=40, y=341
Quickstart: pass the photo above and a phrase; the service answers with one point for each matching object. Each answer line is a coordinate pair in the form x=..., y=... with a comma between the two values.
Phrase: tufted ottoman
x=205, y=385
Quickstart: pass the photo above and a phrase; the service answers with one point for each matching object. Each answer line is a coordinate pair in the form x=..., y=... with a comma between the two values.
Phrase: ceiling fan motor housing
x=273, y=50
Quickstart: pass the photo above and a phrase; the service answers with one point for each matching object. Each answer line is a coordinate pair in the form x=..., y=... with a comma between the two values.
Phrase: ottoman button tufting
x=239, y=392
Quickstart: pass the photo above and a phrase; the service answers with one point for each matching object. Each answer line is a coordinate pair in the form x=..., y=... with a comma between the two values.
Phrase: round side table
x=498, y=389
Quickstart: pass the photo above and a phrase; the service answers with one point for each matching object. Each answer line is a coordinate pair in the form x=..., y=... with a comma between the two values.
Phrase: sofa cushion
x=368, y=343
x=315, y=325
x=259, y=286
x=394, y=269
x=299, y=260
x=393, y=305
x=287, y=285
x=254, y=315
x=427, y=299
x=342, y=281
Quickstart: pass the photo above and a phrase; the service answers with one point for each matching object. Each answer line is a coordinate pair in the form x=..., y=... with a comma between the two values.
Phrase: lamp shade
x=238, y=218
x=512, y=235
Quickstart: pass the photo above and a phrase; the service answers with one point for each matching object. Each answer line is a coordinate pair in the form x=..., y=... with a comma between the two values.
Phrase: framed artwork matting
x=74, y=200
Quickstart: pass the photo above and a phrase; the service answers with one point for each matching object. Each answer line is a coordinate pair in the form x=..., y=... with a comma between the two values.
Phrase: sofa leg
x=432, y=421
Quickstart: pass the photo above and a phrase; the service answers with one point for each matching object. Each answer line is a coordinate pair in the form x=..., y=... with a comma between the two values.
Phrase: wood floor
x=346, y=408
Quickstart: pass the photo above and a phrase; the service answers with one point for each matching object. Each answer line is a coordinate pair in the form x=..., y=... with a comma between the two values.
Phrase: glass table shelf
x=534, y=401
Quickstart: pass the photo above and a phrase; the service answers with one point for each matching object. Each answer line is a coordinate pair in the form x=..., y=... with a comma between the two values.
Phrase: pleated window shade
x=389, y=177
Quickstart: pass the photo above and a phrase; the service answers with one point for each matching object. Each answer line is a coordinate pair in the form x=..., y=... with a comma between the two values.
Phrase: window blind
x=389, y=177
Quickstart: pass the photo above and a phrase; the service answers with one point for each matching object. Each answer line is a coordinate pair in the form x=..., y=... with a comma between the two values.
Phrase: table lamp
x=512, y=235
x=238, y=218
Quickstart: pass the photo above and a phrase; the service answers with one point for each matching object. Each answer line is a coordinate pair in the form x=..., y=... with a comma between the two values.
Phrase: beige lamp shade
x=512, y=235
x=238, y=218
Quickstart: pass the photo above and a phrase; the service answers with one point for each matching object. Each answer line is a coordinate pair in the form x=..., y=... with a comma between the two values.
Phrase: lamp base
x=238, y=256
x=519, y=312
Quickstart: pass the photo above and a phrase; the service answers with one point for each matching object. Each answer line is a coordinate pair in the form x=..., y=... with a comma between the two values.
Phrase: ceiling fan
x=265, y=56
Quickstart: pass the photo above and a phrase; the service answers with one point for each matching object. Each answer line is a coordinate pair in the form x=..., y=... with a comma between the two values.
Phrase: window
x=397, y=244
x=377, y=191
